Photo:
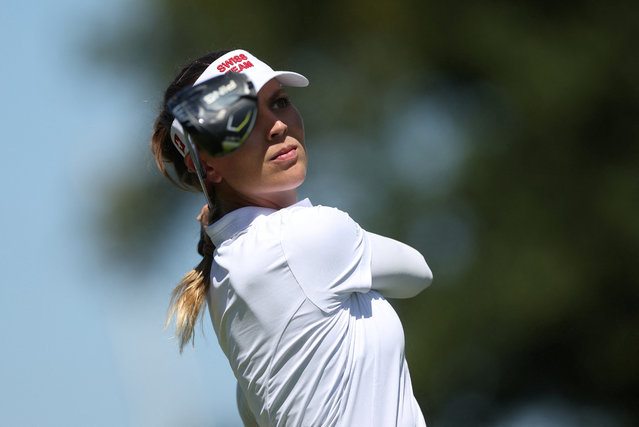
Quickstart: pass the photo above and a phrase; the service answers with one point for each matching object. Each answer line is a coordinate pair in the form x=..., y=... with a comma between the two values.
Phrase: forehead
x=272, y=87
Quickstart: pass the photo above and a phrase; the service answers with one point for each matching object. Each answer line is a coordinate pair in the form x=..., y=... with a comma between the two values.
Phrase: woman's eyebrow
x=277, y=94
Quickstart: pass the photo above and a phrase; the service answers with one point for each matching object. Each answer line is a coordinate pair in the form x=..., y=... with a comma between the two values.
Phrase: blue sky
x=83, y=344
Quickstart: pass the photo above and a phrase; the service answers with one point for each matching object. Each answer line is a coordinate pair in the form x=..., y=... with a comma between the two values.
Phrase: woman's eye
x=281, y=102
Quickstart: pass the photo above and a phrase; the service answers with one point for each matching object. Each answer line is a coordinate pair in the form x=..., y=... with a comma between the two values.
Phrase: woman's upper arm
x=328, y=253
x=398, y=270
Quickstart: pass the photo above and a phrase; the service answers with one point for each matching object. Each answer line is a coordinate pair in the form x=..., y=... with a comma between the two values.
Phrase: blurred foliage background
x=499, y=138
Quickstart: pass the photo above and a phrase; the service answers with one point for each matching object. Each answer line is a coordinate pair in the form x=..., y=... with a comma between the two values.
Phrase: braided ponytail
x=189, y=296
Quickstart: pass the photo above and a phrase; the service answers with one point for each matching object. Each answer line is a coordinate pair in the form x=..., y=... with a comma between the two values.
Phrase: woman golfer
x=296, y=292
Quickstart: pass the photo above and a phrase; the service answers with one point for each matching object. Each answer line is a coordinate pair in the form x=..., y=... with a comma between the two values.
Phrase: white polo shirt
x=310, y=341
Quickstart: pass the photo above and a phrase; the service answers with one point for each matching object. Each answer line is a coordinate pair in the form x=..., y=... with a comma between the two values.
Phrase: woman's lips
x=285, y=154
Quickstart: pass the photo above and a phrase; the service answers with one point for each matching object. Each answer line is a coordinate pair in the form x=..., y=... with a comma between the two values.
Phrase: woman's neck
x=277, y=201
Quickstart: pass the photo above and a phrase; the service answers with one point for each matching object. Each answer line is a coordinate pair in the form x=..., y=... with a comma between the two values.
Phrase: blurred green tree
x=500, y=138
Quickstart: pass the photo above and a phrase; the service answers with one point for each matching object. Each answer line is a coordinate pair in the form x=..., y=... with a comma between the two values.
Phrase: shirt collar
x=240, y=219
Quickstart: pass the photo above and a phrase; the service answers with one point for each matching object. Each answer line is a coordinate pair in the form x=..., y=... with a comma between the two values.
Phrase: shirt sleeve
x=398, y=270
x=328, y=254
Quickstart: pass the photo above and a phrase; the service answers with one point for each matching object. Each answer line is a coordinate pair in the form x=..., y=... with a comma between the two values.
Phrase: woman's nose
x=278, y=130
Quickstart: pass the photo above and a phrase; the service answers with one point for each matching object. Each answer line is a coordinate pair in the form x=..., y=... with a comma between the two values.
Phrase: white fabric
x=259, y=72
x=295, y=309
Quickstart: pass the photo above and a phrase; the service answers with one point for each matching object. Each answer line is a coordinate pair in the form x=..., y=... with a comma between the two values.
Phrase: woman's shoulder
x=315, y=221
x=302, y=221
x=327, y=252
x=322, y=232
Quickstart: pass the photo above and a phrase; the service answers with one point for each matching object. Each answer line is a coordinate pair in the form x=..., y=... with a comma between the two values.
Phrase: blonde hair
x=189, y=296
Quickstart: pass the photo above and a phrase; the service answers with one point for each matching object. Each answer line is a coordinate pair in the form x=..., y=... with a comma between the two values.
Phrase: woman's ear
x=212, y=175
x=188, y=161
